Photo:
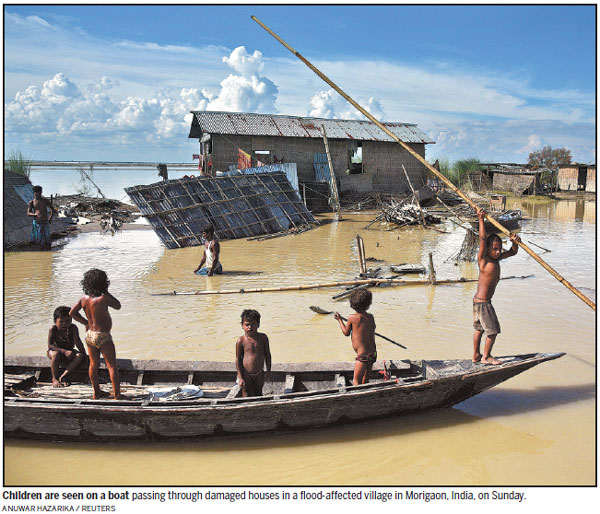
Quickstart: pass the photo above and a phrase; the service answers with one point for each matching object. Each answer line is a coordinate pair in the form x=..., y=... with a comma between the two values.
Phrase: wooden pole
x=334, y=189
x=431, y=270
x=361, y=255
x=90, y=179
x=438, y=174
x=371, y=281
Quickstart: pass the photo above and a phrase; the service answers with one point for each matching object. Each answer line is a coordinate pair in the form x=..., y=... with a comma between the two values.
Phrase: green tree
x=549, y=158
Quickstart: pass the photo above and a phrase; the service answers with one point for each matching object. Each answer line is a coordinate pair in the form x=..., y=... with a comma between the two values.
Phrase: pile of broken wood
x=94, y=209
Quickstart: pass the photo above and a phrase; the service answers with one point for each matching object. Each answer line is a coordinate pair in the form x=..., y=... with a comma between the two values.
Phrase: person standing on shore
x=40, y=228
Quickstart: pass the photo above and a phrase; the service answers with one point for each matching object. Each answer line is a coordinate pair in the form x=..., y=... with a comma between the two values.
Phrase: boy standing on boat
x=95, y=304
x=362, y=327
x=63, y=337
x=210, y=258
x=251, y=354
x=40, y=228
x=484, y=315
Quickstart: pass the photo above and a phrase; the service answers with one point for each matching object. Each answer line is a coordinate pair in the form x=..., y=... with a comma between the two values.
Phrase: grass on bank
x=18, y=163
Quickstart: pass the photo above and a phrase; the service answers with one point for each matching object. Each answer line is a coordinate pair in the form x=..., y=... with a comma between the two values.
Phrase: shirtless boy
x=40, y=228
x=63, y=337
x=95, y=304
x=484, y=315
x=362, y=327
x=210, y=263
x=251, y=354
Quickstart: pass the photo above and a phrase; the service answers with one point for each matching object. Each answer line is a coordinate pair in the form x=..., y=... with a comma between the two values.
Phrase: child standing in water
x=362, y=327
x=484, y=316
x=251, y=354
x=210, y=264
x=63, y=337
x=95, y=304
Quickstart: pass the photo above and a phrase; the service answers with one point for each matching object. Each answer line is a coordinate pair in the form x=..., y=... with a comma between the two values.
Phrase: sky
x=118, y=82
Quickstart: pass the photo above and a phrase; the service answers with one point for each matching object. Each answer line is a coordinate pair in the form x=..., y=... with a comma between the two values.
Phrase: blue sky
x=117, y=82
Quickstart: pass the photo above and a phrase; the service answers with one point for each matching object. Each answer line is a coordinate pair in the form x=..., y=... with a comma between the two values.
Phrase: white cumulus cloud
x=329, y=104
x=247, y=91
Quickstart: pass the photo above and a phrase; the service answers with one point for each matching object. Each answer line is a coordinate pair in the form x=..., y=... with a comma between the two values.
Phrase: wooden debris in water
x=469, y=248
x=402, y=214
x=404, y=268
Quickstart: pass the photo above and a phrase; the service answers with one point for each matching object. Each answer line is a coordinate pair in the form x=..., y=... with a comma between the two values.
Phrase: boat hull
x=439, y=386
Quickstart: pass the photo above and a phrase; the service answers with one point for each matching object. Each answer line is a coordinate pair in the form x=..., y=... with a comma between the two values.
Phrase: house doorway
x=582, y=178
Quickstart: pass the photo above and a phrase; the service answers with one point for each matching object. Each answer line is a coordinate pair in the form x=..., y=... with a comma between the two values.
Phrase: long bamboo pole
x=334, y=189
x=443, y=178
x=300, y=287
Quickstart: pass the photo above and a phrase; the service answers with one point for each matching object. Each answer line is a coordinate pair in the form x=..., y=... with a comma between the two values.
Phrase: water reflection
x=309, y=457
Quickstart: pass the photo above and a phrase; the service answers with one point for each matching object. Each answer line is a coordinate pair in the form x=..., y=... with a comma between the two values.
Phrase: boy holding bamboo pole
x=484, y=315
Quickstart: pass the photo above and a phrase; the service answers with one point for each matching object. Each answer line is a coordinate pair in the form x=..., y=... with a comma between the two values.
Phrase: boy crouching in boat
x=63, y=337
x=362, y=327
x=95, y=304
x=251, y=354
x=484, y=315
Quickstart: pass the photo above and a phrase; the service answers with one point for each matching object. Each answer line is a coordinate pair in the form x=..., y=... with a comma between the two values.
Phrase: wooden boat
x=301, y=396
x=508, y=219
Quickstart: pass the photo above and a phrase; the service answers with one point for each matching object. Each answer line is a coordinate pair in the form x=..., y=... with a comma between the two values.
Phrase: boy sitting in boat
x=210, y=258
x=95, y=304
x=251, y=354
x=63, y=337
x=362, y=327
x=484, y=315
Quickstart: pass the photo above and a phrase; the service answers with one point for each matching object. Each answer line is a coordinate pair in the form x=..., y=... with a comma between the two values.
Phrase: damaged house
x=255, y=171
x=516, y=178
x=577, y=177
x=364, y=158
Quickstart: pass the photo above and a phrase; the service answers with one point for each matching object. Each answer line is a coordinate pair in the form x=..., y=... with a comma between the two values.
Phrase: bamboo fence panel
x=237, y=206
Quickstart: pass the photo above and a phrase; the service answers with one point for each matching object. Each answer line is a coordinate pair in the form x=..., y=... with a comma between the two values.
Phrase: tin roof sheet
x=254, y=124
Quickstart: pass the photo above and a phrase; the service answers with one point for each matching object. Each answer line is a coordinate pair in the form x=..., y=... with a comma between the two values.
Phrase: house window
x=263, y=156
x=355, y=159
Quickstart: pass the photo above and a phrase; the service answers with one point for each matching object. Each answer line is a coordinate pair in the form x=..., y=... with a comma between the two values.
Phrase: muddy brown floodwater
x=544, y=418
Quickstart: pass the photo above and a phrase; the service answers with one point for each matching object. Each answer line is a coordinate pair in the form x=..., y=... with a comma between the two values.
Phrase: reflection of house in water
x=576, y=210
x=577, y=177
x=364, y=158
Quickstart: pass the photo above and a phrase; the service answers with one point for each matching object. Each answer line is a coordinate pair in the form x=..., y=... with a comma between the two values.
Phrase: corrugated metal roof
x=252, y=124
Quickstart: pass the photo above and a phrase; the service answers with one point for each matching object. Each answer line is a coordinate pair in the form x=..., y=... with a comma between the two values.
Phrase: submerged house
x=577, y=177
x=364, y=158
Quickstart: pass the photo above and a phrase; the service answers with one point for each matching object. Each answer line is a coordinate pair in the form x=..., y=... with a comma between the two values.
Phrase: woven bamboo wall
x=236, y=206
